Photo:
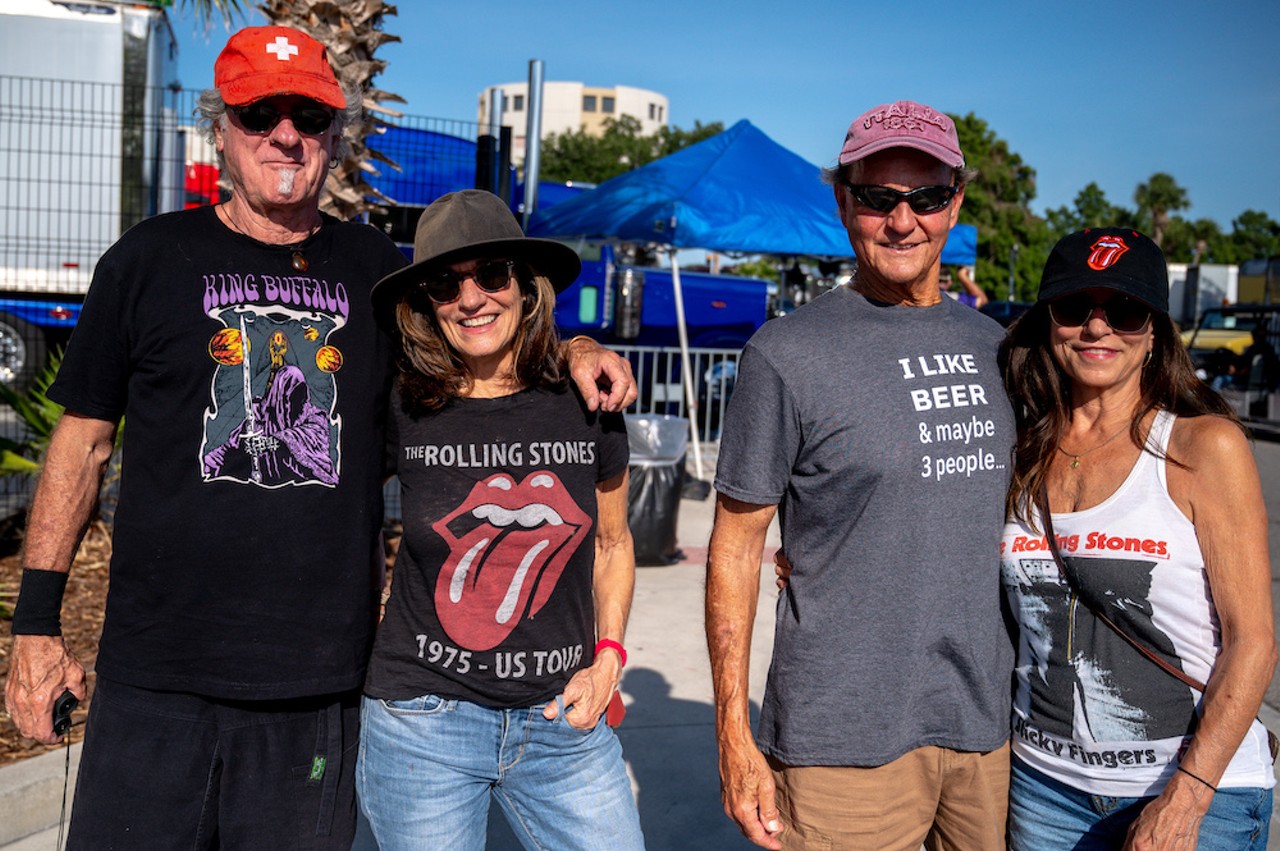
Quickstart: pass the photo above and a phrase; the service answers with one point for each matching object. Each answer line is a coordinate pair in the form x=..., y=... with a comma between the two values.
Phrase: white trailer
x=1212, y=285
x=89, y=145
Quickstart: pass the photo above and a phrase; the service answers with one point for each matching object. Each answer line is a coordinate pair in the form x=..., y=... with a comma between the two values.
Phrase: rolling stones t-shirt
x=491, y=597
x=1089, y=710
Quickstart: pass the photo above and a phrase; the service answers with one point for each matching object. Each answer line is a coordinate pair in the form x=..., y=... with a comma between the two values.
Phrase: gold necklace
x=1075, y=459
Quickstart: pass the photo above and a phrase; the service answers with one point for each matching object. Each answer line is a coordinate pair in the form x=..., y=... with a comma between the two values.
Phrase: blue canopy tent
x=738, y=191
x=431, y=164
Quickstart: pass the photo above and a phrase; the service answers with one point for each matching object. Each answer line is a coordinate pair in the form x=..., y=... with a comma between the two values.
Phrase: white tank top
x=1088, y=709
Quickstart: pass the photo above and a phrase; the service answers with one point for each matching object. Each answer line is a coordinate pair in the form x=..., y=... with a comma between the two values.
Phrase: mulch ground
x=82, y=612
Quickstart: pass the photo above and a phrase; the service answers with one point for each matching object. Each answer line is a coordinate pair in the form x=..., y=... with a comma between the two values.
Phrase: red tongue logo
x=1105, y=252
x=508, y=545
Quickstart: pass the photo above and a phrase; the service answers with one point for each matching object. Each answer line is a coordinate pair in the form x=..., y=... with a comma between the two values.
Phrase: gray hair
x=851, y=173
x=211, y=110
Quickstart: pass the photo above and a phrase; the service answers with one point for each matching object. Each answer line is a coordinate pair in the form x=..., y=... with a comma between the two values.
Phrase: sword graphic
x=249, y=436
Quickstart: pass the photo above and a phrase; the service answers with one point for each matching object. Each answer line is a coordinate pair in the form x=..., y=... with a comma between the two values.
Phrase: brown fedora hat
x=471, y=223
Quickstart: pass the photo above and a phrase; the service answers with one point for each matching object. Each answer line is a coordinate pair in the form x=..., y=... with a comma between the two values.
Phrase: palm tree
x=1160, y=196
x=351, y=32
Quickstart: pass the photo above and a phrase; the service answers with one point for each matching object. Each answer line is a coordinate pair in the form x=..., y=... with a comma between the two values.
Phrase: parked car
x=1235, y=350
x=1229, y=330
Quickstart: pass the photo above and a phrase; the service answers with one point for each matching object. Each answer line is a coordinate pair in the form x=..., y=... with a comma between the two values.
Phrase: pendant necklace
x=1075, y=458
x=297, y=259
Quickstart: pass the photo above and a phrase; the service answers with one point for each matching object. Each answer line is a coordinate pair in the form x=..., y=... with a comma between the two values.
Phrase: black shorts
x=164, y=770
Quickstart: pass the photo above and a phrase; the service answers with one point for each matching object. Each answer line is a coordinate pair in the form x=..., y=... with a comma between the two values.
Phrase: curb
x=31, y=793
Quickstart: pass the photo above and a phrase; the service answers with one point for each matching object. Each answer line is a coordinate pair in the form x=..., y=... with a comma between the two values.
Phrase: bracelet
x=610, y=644
x=39, y=607
x=577, y=337
x=1194, y=777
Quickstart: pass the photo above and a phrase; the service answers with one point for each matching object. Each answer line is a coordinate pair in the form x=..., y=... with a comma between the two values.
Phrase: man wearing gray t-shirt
x=873, y=422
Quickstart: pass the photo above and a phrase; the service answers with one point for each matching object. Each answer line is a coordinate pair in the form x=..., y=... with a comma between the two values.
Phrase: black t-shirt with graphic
x=491, y=596
x=254, y=398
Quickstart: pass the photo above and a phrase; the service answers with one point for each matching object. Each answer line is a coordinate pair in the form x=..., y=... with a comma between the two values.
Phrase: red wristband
x=610, y=644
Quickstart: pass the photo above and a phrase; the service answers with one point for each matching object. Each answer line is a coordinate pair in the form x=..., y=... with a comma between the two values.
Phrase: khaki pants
x=943, y=799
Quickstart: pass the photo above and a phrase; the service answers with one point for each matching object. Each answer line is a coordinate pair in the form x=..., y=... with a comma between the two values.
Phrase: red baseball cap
x=903, y=124
x=263, y=62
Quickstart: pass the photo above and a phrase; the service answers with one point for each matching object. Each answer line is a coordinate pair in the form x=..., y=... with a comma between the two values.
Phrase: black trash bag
x=657, y=445
x=653, y=507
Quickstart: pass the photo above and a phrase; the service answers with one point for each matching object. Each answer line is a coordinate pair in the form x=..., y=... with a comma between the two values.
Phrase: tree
x=580, y=156
x=1199, y=241
x=351, y=32
x=1254, y=234
x=761, y=266
x=1157, y=198
x=672, y=139
x=998, y=203
x=1091, y=209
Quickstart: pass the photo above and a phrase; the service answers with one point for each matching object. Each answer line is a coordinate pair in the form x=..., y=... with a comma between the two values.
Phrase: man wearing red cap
x=873, y=422
x=239, y=345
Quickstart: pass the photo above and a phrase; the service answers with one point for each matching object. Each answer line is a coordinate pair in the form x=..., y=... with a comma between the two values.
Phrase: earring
x=1148, y=359
x=333, y=162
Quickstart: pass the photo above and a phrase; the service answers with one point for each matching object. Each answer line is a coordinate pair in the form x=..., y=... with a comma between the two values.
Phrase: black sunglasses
x=1125, y=315
x=445, y=286
x=882, y=199
x=262, y=117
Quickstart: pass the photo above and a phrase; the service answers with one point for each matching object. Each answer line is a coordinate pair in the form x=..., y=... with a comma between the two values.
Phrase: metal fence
x=79, y=164
x=658, y=378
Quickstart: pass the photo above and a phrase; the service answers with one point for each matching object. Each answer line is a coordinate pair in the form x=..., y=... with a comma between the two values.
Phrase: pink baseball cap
x=263, y=62
x=903, y=124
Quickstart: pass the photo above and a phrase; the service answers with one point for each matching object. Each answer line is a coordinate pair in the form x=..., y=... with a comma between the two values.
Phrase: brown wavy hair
x=432, y=373
x=1041, y=395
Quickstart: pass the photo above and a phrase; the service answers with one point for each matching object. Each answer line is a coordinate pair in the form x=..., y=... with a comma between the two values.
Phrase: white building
x=574, y=106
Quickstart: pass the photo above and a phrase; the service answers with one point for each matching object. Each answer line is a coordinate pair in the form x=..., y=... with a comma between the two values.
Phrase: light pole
x=1013, y=259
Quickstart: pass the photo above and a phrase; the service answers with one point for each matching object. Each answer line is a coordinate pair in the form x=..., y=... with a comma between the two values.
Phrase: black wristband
x=39, y=607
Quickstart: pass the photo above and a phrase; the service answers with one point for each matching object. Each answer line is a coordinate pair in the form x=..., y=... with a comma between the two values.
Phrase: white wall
x=562, y=109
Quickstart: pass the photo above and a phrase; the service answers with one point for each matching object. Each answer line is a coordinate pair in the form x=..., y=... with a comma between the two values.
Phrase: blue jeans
x=429, y=765
x=1045, y=815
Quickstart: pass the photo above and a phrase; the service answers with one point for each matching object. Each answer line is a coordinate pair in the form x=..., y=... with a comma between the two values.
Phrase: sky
x=1103, y=92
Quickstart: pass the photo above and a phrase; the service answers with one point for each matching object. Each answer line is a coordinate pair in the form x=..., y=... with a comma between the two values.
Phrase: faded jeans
x=428, y=767
x=1045, y=815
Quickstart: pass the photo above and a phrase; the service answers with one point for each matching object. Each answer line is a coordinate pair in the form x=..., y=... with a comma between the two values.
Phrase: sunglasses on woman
x=882, y=199
x=445, y=286
x=1125, y=315
x=262, y=117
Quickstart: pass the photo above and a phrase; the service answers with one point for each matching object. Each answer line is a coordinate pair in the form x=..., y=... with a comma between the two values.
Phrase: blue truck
x=624, y=304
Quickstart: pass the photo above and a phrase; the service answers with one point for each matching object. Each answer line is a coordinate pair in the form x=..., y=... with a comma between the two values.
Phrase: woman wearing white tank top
x=1158, y=514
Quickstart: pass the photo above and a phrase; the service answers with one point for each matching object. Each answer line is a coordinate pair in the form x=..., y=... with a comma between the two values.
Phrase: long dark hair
x=1041, y=395
x=432, y=373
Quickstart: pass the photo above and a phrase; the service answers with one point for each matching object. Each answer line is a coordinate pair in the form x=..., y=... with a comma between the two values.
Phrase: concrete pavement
x=668, y=737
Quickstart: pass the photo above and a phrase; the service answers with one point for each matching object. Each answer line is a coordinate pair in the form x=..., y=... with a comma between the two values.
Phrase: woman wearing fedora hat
x=502, y=643
x=1135, y=564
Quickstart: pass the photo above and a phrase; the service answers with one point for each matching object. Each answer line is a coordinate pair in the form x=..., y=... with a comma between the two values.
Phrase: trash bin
x=658, y=443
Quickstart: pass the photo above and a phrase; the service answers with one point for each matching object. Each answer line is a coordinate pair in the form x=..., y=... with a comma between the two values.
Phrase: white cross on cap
x=282, y=48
